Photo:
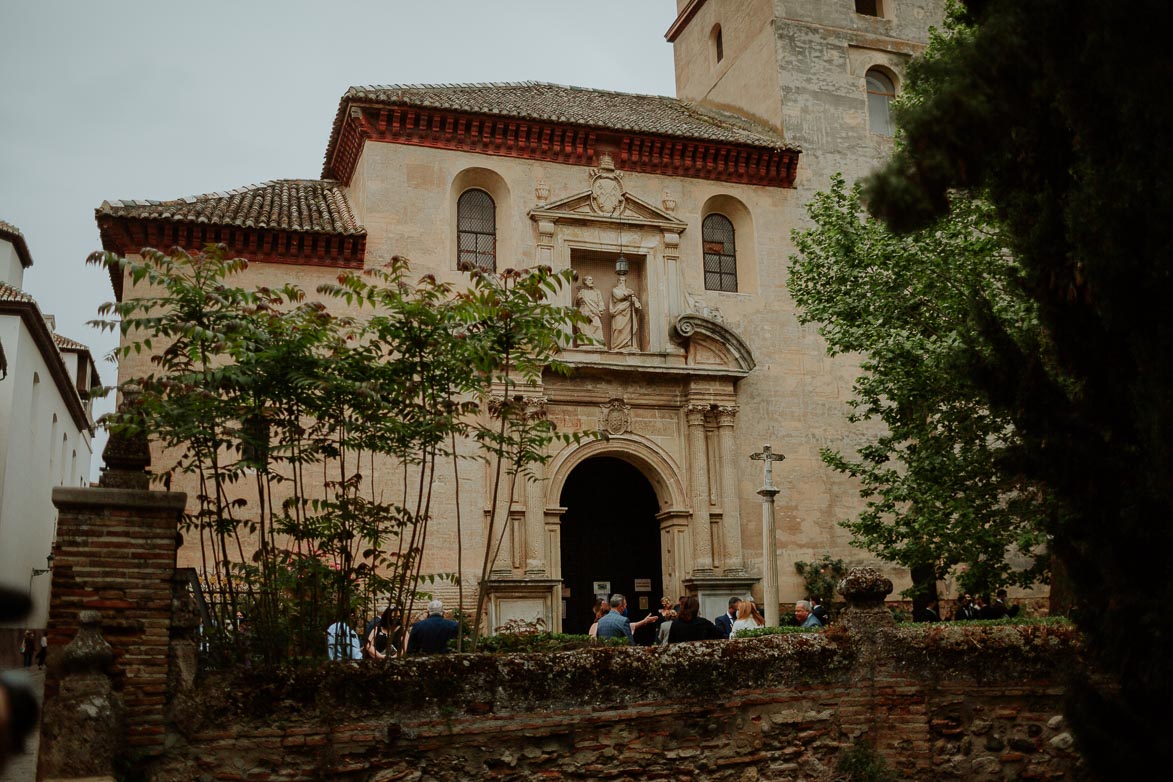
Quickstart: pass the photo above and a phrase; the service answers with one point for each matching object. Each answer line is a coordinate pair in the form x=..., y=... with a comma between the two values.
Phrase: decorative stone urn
x=865, y=589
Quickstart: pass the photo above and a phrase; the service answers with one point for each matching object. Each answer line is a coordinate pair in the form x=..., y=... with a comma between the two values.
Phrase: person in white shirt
x=748, y=618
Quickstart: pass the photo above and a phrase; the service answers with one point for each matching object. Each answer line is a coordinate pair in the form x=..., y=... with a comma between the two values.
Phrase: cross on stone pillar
x=769, y=534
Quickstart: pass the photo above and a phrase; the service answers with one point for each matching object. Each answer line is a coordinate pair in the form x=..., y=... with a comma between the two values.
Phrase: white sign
x=602, y=588
x=643, y=585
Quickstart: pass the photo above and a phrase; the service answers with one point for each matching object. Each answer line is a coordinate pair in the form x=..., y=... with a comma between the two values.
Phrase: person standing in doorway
x=43, y=652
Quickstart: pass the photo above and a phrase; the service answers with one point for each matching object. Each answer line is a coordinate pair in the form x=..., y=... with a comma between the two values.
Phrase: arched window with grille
x=476, y=231
x=720, y=254
x=881, y=91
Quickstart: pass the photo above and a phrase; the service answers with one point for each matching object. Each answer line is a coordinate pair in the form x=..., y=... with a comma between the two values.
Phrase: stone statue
x=590, y=303
x=625, y=309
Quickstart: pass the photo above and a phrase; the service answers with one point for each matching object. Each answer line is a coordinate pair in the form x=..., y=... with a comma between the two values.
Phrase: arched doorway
x=610, y=534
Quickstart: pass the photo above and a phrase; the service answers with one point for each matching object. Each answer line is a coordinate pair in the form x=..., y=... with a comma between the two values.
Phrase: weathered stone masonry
x=937, y=703
x=940, y=701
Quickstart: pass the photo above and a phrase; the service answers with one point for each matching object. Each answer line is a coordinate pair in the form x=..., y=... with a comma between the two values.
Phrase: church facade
x=675, y=215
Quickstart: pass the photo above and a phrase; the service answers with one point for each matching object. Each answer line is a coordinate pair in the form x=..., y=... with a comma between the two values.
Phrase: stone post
x=769, y=535
x=83, y=730
x=702, y=536
x=865, y=589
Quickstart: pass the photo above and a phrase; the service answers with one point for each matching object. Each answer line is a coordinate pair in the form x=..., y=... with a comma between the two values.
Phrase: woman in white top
x=748, y=618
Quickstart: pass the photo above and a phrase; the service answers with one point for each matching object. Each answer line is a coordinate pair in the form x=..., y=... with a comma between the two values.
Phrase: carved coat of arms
x=615, y=417
x=607, y=194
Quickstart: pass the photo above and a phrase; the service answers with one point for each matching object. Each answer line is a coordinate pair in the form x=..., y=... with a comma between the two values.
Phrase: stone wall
x=936, y=702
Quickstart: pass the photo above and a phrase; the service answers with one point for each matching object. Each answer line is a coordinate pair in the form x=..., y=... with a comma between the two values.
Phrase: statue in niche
x=590, y=303
x=625, y=308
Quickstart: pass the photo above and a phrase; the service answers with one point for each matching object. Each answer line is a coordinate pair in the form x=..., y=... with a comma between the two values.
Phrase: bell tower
x=821, y=71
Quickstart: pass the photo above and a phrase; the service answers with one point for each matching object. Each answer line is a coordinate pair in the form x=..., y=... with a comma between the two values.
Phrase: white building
x=46, y=427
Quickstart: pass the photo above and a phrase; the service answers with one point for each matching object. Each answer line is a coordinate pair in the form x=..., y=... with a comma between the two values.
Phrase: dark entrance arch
x=610, y=533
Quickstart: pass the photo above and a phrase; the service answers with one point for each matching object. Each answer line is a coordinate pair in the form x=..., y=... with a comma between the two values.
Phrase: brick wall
x=942, y=702
x=115, y=553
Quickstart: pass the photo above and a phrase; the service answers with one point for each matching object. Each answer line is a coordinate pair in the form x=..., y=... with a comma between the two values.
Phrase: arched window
x=881, y=91
x=720, y=254
x=718, y=43
x=476, y=231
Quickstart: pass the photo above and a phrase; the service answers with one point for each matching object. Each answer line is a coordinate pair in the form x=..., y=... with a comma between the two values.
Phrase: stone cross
x=768, y=456
x=769, y=536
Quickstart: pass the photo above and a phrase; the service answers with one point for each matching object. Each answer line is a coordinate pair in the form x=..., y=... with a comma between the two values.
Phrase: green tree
x=283, y=412
x=1057, y=111
x=942, y=498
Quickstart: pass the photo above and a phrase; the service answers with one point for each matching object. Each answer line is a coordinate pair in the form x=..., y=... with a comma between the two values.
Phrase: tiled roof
x=11, y=233
x=300, y=205
x=9, y=293
x=653, y=114
x=65, y=343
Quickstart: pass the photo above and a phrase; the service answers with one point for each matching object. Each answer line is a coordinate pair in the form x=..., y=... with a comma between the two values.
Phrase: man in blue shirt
x=616, y=625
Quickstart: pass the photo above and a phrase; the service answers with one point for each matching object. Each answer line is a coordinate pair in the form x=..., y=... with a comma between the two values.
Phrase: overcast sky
x=129, y=99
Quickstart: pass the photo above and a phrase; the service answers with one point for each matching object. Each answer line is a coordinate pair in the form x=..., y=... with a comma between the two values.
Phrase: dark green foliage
x=1056, y=109
x=822, y=577
x=761, y=632
x=944, y=496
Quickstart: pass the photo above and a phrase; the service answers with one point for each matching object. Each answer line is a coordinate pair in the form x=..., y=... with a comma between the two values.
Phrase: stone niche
x=599, y=265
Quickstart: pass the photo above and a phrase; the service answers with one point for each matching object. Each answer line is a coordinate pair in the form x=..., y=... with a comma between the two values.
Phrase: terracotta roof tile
x=656, y=114
x=652, y=114
x=302, y=205
x=9, y=293
x=65, y=343
x=11, y=233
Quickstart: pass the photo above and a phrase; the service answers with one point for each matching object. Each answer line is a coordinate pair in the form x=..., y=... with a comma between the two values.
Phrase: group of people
x=682, y=622
x=429, y=635
x=983, y=608
x=30, y=647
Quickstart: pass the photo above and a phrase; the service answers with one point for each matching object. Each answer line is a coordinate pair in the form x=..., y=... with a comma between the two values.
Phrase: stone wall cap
x=71, y=497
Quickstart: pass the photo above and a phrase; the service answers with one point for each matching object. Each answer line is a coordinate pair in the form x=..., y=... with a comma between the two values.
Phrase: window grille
x=476, y=231
x=881, y=91
x=720, y=254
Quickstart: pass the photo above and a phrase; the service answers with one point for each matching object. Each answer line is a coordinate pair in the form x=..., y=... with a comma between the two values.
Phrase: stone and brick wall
x=935, y=702
x=115, y=554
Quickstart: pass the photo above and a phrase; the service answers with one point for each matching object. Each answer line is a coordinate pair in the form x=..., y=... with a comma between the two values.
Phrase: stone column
x=702, y=542
x=734, y=563
x=535, y=506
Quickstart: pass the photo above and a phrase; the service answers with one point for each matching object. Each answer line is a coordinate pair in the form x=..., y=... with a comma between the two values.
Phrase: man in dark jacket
x=431, y=635
x=725, y=621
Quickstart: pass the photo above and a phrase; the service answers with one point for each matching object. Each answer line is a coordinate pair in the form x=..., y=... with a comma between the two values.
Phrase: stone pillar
x=734, y=561
x=535, y=526
x=702, y=541
x=865, y=590
x=115, y=552
x=83, y=731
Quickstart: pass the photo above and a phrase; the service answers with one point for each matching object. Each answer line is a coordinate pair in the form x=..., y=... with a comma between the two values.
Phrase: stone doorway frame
x=662, y=474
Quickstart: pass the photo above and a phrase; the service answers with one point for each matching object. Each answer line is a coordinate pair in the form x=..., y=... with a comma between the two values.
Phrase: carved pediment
x=584, y=208
x=710, y=343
